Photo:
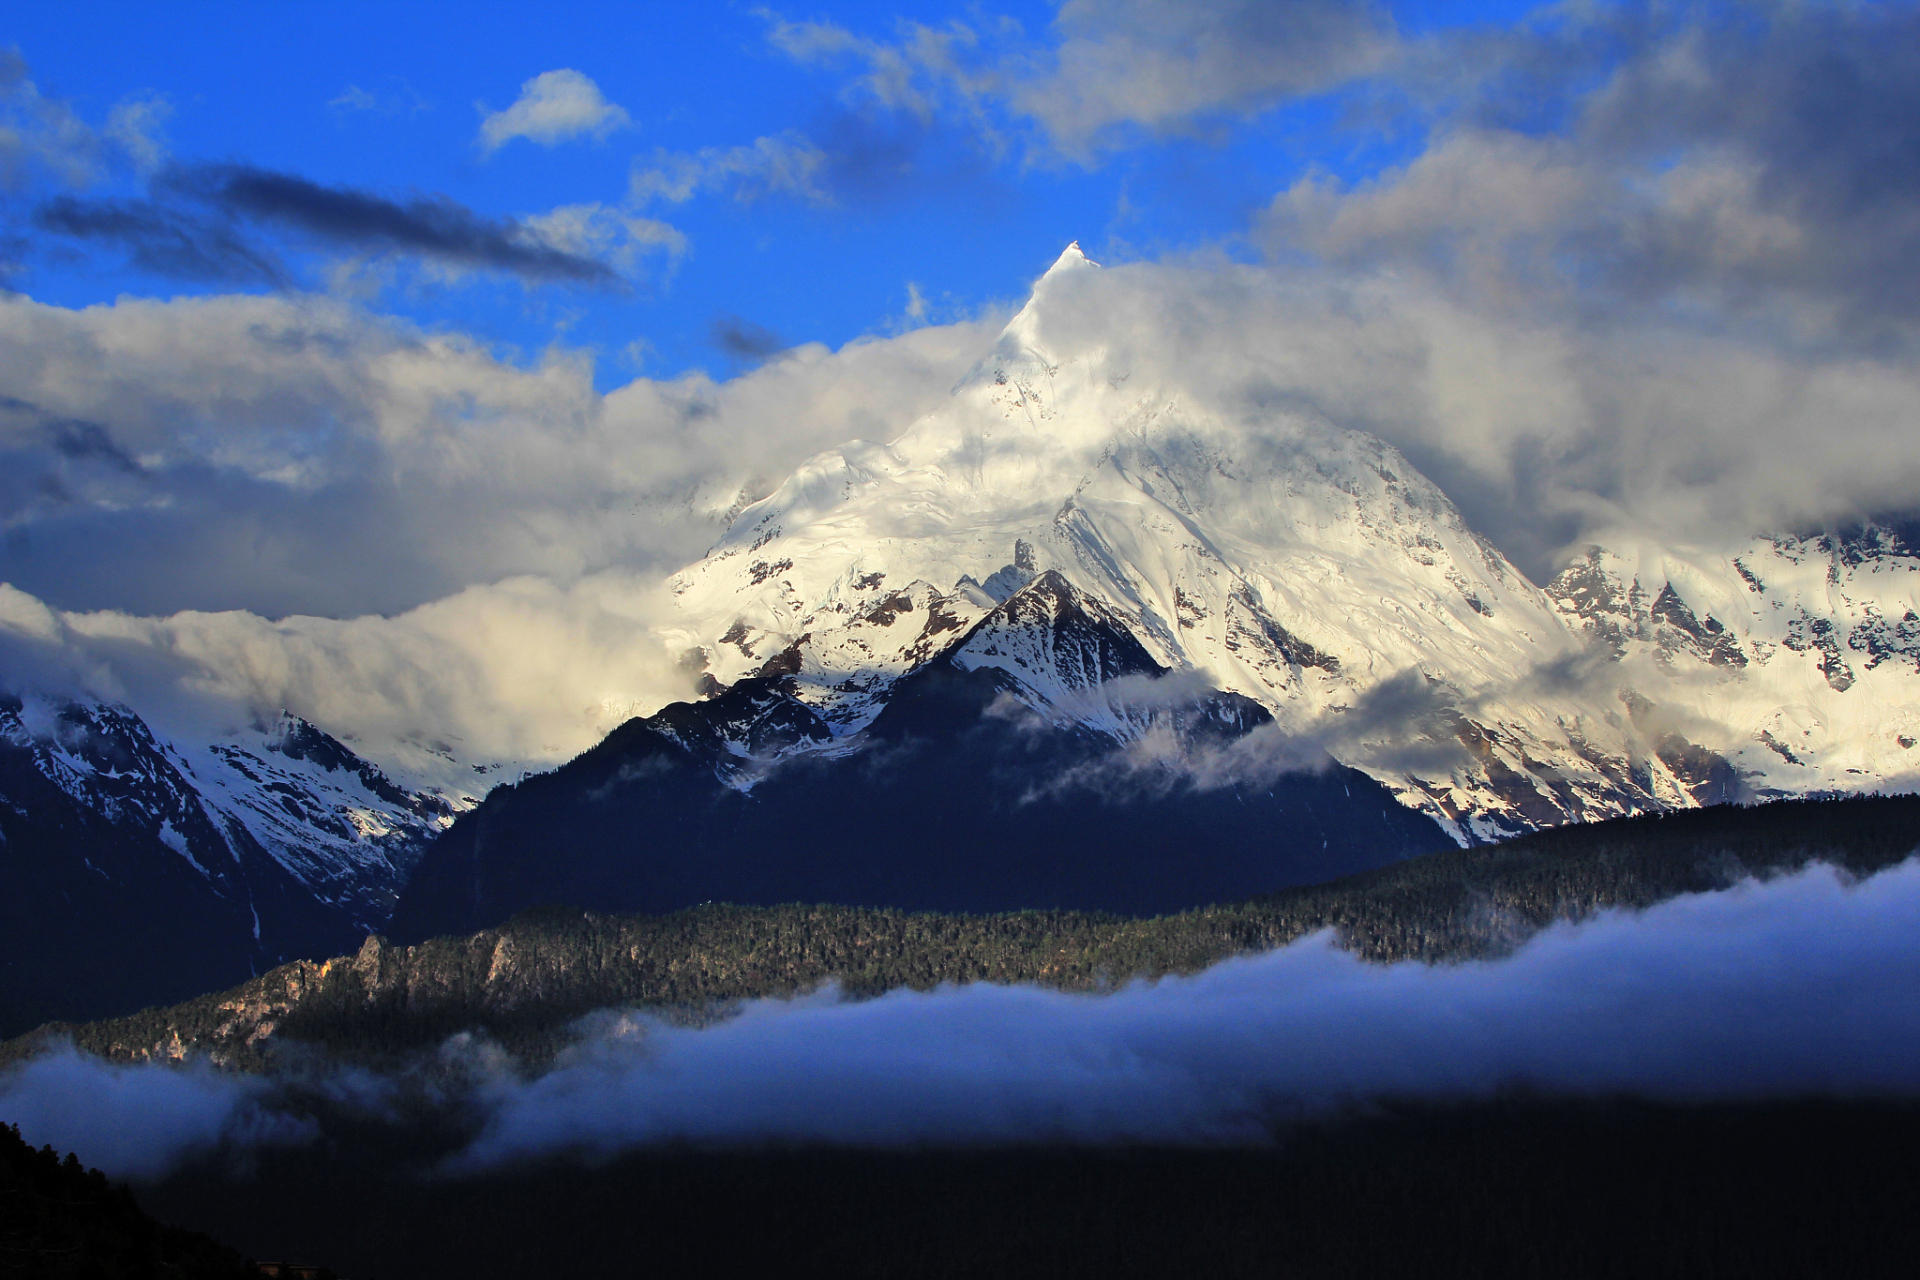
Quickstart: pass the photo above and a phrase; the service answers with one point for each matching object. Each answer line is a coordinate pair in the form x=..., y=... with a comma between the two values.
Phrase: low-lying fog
x=1801, y=985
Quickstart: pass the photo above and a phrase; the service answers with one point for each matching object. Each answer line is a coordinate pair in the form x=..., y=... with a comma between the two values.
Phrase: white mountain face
x=1310, y=568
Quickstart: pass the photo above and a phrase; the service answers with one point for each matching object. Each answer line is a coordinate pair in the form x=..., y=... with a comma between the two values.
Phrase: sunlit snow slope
x=1311, y=568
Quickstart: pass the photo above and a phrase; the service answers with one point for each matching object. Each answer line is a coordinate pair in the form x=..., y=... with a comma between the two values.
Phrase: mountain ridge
x=964, y=792
x=272, y=842
x=1113, y=581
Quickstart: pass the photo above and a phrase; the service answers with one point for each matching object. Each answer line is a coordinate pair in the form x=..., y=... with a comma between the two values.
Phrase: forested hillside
x=525, y=981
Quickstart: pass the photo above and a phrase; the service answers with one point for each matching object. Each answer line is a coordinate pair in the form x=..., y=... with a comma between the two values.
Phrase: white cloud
x=482, y=669
x=45, y=139
x=553, y=107
x=595, y=230
x=354, y=98
x=301, y=426
x=1163, y=67
x=135, y=127
x=927, y=71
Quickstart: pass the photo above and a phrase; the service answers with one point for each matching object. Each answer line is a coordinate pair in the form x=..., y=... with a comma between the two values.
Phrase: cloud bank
x=1797, y=986
x=138, y=1122
x=273, y=502
x=1800, y=985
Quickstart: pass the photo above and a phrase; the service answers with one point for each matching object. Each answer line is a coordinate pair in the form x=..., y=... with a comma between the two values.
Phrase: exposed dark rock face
x=1705, y=637
x=1707, y=775
x=1614, y=613
x=1809, y=633
x=299, y=740
x=1883, y=639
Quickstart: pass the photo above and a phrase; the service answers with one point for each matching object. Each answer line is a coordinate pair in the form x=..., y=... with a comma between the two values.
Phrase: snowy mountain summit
x=1095, y=633
x=1311, y=569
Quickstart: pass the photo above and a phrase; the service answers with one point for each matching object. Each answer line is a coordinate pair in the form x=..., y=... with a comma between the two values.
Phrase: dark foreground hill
x=524, y=982
x=1511, y=1188
x=63, y=1221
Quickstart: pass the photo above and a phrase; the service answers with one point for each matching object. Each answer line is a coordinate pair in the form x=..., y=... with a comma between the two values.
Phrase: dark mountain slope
x=62, y=1221
x=121, y=888
x=947, y=805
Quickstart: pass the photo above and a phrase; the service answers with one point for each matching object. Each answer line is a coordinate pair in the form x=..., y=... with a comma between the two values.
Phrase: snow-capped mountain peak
x=1302, y=565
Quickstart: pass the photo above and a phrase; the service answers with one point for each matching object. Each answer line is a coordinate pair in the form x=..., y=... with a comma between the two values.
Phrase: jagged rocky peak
x=1292, y=562
x=754, y=722
x=300, y=739
x=1008, y=578
x=1056, y=642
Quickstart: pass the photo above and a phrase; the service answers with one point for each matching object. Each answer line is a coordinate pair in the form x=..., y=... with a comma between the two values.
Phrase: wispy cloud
x=44, y=138
x=1122, y=64
x=1109, y=71
x=431, y=226
x=202, y=222
x=786, y=164
x=392, y=97
x=166, y=240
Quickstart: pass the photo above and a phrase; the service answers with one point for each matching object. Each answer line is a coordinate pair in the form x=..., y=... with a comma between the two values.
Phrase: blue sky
x=386, y=100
